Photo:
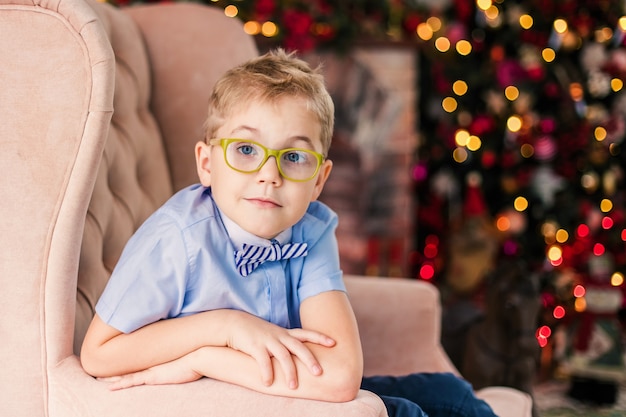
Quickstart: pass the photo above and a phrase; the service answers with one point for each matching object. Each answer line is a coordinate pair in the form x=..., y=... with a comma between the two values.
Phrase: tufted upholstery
x=100, y=109
x=132, y=178
x=135, y=176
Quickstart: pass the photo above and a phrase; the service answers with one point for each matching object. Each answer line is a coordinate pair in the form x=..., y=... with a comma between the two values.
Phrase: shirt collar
x=238, y=236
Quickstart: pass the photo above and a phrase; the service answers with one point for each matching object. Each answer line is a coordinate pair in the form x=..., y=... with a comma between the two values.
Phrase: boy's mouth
x=263, y=202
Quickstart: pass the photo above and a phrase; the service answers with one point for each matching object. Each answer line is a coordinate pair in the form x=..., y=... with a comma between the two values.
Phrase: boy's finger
x=303, y=353
x=126, y=381
x=109, y=378
x=285, y=359
x=312, y=337
x=118, y=382
x=265, y=366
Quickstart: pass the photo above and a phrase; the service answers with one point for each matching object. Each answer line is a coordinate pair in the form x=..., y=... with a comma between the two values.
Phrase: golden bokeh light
x=511, y=93
x=434, y=23
x=606, y=205
x=459, y=155
x=555, y=253
x=484, y=4
x=424, y=31
x=526, y=21
x=449, y=104
x=514, y=123
x=548, y=54
x=492, y=13
x=442, y=44
x=474, y=143
x=561, y=236
x=231, y=10
x=520, y=203
x=269, y=29
x=560, y=26
x=459, y=87
x=464, y=47
x=461, y=137
x=617, y=84
x=252, y=27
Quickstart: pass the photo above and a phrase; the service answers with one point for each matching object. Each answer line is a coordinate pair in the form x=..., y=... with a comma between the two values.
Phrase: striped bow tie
x=252, y=256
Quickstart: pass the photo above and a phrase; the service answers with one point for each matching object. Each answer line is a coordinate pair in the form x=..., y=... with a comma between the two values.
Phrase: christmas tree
x=529, y=96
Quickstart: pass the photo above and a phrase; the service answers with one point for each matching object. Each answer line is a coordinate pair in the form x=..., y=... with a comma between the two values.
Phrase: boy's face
x=264, y=203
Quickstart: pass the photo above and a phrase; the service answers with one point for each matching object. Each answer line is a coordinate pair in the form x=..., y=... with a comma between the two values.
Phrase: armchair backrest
x=56, y=100
x=76, y=184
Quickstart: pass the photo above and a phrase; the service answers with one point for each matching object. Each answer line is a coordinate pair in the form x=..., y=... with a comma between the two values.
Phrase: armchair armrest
x=399, y=321
x=73, y=393
x=400, y=324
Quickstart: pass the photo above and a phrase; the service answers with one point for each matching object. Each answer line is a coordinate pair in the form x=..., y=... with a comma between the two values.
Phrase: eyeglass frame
x=276, y=153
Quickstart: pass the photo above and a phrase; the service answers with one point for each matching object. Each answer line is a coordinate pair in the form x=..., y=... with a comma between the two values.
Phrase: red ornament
x=264, y=9
x=474, y=204
x=488, y=159
x=411, y=22
x=298, y=34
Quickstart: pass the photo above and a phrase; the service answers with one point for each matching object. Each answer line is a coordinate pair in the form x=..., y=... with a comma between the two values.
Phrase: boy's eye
x=246, y=149
x=295, y=157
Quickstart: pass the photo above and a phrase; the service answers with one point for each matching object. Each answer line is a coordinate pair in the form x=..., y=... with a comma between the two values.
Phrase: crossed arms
x=322, y=361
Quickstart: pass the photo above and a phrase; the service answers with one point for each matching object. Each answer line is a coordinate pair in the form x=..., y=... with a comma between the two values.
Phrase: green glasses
x=294, y=164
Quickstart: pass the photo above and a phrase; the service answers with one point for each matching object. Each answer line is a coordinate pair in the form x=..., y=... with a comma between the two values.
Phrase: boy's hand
x=263, y=340
x=174, y=372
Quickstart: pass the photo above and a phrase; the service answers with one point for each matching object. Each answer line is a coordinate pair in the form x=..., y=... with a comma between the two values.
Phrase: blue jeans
x=427, y=395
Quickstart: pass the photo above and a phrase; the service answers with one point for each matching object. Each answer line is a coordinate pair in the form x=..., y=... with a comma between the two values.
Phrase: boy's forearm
x=339, y=382
x=154, y=344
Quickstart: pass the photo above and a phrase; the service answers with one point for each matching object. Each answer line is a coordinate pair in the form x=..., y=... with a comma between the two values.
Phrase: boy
x=238, y=278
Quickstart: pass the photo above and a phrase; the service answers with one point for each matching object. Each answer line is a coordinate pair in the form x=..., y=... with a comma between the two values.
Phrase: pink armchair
x=100, y=108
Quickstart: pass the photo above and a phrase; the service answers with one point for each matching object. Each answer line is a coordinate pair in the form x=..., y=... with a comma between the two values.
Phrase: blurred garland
x=322, y=24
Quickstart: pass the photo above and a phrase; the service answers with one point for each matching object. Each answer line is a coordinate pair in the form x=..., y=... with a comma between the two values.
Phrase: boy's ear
x=203, y=163
x=325, y=169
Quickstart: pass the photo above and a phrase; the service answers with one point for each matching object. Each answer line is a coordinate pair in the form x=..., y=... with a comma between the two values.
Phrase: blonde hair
x=271, y=77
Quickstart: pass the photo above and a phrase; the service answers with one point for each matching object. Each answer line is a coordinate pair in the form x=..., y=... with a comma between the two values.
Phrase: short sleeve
x=148, y=283
x=320, y=270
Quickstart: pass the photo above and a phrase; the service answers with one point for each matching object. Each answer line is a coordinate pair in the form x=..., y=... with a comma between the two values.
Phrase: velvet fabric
x=99, y=111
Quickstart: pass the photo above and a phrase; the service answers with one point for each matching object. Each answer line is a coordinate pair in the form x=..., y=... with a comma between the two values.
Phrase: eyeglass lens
x=298, y=164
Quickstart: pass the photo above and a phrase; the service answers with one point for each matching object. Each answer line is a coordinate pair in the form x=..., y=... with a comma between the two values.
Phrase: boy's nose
x=269, y=172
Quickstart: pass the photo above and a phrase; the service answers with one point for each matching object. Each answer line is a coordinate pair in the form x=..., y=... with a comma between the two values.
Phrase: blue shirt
x=181, y=261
